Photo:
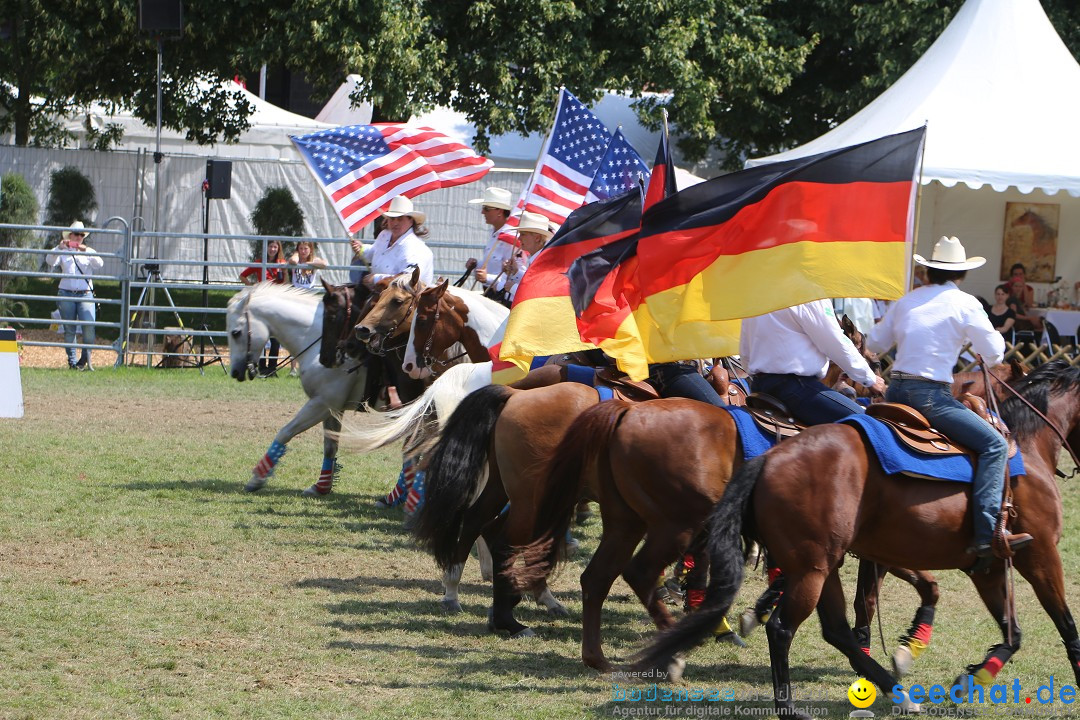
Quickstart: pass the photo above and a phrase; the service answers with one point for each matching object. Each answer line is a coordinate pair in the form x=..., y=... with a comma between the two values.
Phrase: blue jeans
x=677, y=380
x=79, y=308
x=935, y=401
x=809, y=400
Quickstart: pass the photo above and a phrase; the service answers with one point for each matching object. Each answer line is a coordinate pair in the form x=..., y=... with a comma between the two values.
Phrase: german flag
x=838, y=224
x=542, y=318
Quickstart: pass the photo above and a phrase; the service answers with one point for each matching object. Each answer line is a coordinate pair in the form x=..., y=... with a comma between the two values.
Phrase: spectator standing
x=77, y=262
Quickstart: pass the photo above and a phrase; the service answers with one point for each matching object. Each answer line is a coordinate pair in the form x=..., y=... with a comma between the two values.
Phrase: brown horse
x=823, y=493
x=343, y=307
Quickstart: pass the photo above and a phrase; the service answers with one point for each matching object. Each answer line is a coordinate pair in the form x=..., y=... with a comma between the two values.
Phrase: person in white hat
x=533, y=231
x=400, y=244
x=930, y=326
x=495, y=207
x=77, y=262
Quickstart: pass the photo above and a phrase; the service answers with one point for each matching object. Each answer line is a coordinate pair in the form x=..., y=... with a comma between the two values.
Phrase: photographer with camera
x=77, y=263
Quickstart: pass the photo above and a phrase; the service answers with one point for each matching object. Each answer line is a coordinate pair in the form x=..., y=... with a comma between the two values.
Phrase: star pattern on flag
x=620, y=170
x=338, y=151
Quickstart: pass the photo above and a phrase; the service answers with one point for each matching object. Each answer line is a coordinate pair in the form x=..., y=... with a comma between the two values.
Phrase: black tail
x=454, y=469
x=725, y=571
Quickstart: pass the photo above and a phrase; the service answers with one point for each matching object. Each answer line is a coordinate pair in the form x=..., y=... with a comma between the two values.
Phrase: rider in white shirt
x=400, y=244
x=930, y=325
x=495, y=206
x=787, y=353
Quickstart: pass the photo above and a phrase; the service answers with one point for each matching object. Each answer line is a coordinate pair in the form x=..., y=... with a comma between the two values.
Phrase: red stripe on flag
x=547, y=275
x=792, y=213
x=560, y=179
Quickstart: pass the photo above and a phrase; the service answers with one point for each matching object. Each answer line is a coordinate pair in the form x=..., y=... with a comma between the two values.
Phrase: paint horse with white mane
x=295, y=317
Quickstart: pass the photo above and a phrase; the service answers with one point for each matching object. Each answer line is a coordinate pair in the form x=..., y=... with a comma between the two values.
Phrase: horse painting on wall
x=1031, y=232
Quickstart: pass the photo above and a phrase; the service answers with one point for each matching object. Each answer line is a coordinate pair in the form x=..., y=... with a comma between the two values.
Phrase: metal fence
x=152, y=327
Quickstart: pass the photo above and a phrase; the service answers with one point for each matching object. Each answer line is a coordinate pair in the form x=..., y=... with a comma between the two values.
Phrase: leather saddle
x=772, y=416
x=913, y=430
x=623, y=388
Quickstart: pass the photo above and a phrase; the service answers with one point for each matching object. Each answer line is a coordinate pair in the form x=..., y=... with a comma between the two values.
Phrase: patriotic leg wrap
x=327, y=476
x=416, y=493
x=404, y=484
x=265, y=467
x=918, y=635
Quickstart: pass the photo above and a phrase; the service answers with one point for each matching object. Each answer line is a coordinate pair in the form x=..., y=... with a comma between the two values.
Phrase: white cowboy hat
x=534, y=222
x=949, y=254
x=76, y=226
x=402, y=205
x=494, y=197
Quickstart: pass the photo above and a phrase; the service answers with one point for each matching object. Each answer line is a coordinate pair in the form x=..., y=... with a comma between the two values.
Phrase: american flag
x=569, y=160
x=620, y=170
x=361, y=168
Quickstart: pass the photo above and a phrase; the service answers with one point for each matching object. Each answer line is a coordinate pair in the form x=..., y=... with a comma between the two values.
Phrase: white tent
x=1000, y=94
x=339, y=110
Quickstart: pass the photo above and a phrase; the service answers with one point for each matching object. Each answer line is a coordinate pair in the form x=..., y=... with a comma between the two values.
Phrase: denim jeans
x=809, y=400
x=935, y=401
x=678, y=380
x=80, y=307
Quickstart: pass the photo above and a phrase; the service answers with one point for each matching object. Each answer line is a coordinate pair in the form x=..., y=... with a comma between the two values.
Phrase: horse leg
x=835, y=630
x=866, y=594
x=765, y=604
x=314, y=411
x=479, y=514
x=584, y=511
x=504, y=598
x=483, y=554
x=1048, y=581
x=991, y=587
x=330, y=467
x=800, y=596
x=617, y=543
x=400, y=491
x=660, y=547
x=917, y=638
x=696, y=562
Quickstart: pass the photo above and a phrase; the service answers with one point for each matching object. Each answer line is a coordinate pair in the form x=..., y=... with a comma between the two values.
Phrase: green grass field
x=137, y=580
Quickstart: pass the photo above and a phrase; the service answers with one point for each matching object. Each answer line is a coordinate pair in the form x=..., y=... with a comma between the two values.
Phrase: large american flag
x=568, y=161
x=620, y=170
x=361, y=168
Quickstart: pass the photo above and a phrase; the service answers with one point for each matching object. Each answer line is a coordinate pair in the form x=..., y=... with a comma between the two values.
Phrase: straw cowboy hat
x=949, y=254
x=494, y=197
x=402, y=205
x=76, y=226
x=534, y=222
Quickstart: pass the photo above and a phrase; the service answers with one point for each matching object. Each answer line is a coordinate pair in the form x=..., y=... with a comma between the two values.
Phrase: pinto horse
x=293, y=316
x=822, y=494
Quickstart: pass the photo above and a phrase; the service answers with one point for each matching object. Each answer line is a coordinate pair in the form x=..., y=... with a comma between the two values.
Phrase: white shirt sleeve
x=984, y=339
x=93, y=260
x=882, y=337
x=819, y=323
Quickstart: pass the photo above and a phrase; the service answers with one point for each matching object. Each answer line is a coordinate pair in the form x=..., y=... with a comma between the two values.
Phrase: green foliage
x=276, y=213
x=18, y=206
x=71, y=198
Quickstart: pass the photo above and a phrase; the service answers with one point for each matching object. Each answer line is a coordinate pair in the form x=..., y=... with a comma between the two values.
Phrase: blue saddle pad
x=581, y=374
x=755, y=441
x=897, y=458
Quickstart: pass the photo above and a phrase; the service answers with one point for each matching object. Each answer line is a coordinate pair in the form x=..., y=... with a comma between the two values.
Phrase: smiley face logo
x=862, y=693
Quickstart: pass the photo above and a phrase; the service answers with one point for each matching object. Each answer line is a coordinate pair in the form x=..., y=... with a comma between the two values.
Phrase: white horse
x=294, y=317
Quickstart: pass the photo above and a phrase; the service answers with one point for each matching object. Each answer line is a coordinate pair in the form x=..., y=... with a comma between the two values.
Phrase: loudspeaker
x=161, y=15
x=218, y=179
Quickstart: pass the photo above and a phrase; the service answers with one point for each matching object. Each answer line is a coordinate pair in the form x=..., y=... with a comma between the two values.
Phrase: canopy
x=1000, y=95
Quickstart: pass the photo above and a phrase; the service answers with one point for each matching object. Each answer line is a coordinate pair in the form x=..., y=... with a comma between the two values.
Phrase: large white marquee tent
x=999, y=93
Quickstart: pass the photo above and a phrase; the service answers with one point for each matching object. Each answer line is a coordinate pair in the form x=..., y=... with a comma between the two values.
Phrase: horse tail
x=456, y=472
x=586, y=438
x=369, y=431
x=725, y=572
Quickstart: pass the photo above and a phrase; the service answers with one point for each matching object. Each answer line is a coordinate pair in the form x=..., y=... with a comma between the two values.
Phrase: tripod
x=171, y=356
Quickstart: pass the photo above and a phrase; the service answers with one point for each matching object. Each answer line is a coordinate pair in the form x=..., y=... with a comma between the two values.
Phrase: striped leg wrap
x=404, y=483
x=918, y=635
x=328, y=474
x=416, y=494
x=265, y=467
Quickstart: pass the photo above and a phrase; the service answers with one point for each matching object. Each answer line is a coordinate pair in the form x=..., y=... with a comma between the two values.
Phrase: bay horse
x=823, y=493
x=343, y=307
x=295, y=317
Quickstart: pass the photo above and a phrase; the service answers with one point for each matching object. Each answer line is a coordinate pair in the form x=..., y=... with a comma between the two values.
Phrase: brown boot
x=1014, y=541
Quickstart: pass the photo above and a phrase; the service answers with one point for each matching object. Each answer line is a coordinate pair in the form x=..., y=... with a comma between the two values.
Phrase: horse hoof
x=731, y=639
x=486, y=575
x=748, y=622
x=558, y=611
x=315, y=492
x=255, y=483
x=907, y=706
x=675, y=669
x=526, y=633
x=902, y=660
x=453, y=607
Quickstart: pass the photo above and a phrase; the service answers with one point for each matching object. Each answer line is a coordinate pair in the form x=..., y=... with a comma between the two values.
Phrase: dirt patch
x=39, y=356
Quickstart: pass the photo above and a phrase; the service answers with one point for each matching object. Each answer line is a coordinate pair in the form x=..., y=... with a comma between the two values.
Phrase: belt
x=897, y=375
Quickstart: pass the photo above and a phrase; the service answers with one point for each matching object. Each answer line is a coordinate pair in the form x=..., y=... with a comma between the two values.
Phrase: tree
x=276, y=213
x=71, y=198
x=18, y=206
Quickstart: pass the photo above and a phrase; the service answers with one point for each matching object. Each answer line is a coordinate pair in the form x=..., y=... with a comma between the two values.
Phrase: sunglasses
x=77, y=234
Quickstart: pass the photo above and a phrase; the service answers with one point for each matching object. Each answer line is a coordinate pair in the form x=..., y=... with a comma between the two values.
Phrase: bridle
x=425, y=359
x=384, y=346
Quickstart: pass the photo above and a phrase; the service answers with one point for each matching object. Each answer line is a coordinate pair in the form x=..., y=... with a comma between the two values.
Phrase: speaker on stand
x=216, y=186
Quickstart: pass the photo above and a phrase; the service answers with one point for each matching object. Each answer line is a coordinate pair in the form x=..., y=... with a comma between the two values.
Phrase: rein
x=413, y=299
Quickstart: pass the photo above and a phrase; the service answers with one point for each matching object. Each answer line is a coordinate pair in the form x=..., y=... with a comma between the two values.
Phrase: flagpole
x=918, y=211
x=529, y=183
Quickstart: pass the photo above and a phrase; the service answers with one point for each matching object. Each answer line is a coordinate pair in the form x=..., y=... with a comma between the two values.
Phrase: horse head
x=390, y=313
x=431, y=333
x=343, y=306
x=247, y=335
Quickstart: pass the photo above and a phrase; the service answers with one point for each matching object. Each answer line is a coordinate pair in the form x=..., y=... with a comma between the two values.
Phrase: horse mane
x=404, y=282
x=1051, y=379
x=270, y=289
